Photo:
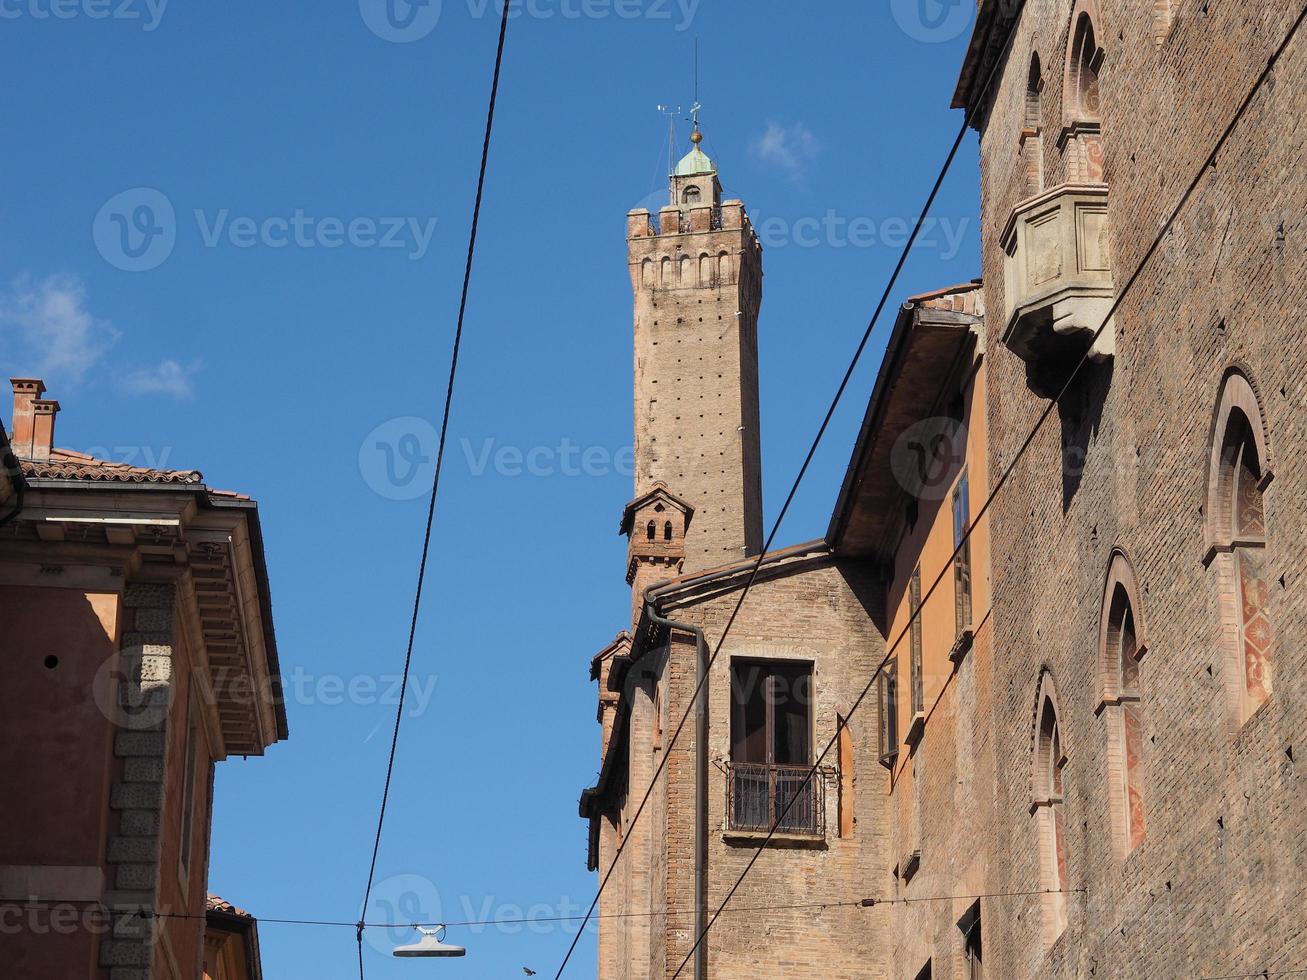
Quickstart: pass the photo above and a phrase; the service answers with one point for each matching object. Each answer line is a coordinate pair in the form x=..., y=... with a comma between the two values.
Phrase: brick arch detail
x=1120, y=572
x=1238, y=393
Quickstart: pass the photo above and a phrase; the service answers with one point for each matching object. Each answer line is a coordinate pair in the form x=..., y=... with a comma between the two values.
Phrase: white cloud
x=789, y=149
x=168, y=377
x=47, y=330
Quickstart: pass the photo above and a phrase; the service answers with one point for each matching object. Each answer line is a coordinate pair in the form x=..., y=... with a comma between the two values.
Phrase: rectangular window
x=962, y=561
x=771, y=749
x=889, y=714
x=914, y=610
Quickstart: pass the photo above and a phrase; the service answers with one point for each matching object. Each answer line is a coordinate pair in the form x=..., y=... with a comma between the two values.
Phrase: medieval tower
x=696, y=270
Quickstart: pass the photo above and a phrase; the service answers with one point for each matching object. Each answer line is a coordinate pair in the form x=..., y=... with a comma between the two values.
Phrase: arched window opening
x=646, y=273
x=692, y=195
x=667, y=531
x=1121, y=648
x=1049, y=779
x=1032, y=141
x=724, y=268
x=705, y=269
x=1082, y=134
x=1237, y=535
x=1085, y=61
x=651, y=530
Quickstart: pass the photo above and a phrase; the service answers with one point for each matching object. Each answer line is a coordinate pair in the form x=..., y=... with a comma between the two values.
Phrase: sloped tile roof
x=67, y=464
x=217, y=903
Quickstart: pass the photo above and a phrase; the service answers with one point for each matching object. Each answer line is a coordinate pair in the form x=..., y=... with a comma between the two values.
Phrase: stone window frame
x=1226, y=546
x=1119, y=701
x=1073, y=110
x=1080, y=140
x=1048, y=792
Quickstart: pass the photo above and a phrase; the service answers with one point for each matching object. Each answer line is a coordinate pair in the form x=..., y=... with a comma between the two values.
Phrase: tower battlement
x=696, y=275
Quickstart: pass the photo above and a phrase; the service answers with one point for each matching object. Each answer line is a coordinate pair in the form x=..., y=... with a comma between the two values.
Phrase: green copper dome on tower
x=696, y=161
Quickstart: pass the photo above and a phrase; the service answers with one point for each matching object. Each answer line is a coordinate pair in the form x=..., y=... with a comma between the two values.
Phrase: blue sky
x=288, y=328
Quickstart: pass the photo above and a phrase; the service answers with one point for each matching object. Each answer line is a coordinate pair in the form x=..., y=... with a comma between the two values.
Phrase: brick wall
x=1209, y=890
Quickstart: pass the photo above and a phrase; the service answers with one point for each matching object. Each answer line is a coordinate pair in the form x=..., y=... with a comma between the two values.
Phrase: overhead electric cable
x=440, y=457
x=803, y=469
x=1208, y=164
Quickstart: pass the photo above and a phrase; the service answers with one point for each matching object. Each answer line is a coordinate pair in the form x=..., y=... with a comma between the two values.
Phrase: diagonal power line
x=1207, y=165
x=440, y=458
x=803, y=469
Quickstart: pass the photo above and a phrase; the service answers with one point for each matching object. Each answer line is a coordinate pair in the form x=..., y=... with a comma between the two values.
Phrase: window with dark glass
x=914, y=610
x=962, y=545
x=771, y=748
x=889, y=714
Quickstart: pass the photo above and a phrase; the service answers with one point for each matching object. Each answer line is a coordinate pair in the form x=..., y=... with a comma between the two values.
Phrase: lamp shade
x=431, y=944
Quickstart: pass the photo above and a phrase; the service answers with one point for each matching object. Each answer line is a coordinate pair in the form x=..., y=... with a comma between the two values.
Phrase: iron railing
x=757, y=796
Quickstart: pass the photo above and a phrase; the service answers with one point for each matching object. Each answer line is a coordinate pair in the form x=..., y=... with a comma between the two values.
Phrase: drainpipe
x=700, y=778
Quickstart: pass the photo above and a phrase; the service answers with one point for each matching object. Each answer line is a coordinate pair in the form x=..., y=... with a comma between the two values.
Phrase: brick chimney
x=33, y=432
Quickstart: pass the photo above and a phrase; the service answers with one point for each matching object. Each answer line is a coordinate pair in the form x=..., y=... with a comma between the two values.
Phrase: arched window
x=1081, y=133
x=687, y=271
x=1047, y=806
x=705, y=269
x=1085, y=59
x=665, y=278
x=646, y=273
x=667, y=531
x=651, y=530
x=1121, y=647
x=1237, y=538
x=692, y=195
x=724, y=268
x=1032, y=129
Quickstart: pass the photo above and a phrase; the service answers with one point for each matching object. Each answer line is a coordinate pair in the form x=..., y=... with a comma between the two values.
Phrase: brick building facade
x=136, y=651
x=1076, y=756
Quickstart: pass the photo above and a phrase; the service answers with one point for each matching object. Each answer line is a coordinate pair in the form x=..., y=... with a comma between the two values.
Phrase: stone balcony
x=1058, y=275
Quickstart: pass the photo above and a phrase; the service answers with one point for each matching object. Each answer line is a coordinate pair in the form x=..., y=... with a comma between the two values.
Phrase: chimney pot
x=43, y=411
x=26, y=392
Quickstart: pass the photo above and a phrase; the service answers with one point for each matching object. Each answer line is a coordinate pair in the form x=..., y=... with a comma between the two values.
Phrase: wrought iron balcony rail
x=757, y=796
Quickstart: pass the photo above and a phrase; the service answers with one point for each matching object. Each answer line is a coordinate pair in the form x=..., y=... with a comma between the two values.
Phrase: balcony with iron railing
x=759, y=797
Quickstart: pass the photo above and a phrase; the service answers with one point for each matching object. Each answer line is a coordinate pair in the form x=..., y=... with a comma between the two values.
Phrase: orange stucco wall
x=55, y=754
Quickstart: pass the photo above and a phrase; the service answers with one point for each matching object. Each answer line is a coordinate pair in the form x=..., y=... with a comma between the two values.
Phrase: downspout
x=700, y=778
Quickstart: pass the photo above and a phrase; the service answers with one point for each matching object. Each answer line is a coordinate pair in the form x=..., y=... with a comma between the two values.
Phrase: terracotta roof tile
x=218, y=904
x=67, y=464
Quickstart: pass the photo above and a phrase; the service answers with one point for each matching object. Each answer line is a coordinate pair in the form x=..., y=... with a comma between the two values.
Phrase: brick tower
x=697, y=276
